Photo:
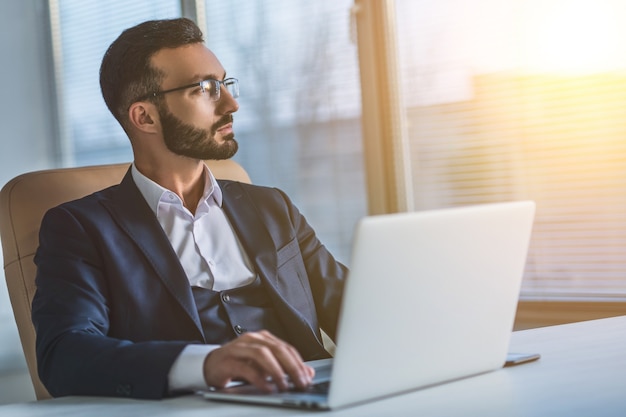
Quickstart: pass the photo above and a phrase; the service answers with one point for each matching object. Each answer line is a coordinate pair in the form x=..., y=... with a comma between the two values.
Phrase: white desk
x=582, y=372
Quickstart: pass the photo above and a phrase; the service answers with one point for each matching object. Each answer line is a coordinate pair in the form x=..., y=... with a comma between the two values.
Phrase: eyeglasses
x=210, y=86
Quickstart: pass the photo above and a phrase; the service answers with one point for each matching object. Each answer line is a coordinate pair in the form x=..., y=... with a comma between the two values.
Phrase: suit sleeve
x=70, y=311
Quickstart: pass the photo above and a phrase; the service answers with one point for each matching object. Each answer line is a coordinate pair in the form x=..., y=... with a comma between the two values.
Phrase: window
x=510, y=100
x=503, y=100
x=299, y=123
x=82, y=31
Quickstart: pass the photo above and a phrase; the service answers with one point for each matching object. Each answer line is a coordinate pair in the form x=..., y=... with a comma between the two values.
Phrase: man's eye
x=206, y=86
x=198, y=90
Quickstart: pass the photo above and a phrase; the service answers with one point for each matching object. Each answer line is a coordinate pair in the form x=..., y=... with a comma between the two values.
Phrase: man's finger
x=287, y=358
x=258, y=358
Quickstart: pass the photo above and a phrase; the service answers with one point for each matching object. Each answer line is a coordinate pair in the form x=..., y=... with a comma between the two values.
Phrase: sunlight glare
x=574, y=36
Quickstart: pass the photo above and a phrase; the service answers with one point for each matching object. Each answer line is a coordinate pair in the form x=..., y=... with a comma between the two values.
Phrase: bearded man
x=174, y=281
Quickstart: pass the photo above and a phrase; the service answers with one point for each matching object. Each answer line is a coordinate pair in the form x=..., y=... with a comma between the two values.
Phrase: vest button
x=239, y=329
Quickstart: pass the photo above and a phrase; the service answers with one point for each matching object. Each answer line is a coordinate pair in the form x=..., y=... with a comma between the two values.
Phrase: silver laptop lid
x=431, y=297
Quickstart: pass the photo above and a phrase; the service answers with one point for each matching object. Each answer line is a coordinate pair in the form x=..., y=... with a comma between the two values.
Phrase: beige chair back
x=23, y=202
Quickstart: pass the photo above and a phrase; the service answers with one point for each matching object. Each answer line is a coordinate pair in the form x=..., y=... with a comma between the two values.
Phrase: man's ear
x=144, y=117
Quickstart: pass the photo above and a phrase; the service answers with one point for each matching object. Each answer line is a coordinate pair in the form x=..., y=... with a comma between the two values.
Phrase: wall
x=27, y=112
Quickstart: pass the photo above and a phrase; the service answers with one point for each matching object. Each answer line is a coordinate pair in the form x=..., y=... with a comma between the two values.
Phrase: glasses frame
x=205, y=86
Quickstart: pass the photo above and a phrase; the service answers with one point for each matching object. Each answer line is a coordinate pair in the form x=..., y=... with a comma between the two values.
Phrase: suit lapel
x=133, y=215
x=251, y=231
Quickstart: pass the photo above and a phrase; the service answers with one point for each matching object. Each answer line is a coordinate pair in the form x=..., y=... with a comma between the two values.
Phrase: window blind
x=503, y=105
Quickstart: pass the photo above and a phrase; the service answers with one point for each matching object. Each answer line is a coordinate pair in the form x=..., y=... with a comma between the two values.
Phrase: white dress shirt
x=209, y=252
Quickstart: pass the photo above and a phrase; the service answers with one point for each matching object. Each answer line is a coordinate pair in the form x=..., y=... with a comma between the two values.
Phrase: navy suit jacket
x=113, y=306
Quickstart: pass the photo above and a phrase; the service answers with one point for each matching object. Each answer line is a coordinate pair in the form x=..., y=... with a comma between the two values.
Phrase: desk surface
x=582, y=372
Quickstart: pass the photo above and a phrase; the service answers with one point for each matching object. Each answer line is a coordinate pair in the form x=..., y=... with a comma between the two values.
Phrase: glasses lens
x=232, y=85
x=212, y=88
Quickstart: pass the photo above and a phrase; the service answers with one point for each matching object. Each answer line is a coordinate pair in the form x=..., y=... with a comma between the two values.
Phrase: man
x=173, y=281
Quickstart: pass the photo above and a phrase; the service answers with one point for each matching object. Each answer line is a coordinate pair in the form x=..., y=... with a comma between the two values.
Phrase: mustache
x=223, y=121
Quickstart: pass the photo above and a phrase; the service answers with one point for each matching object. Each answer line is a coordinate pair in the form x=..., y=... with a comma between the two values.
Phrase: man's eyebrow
x=199, y=77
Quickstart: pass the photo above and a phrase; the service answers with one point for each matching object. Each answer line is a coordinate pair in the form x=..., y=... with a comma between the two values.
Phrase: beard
x=194, y=142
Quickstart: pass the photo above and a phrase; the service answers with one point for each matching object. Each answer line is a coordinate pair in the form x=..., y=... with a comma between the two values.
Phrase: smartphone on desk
x=513, y=358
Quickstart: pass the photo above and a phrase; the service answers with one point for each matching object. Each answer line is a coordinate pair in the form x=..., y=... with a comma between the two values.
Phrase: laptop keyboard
x=319, y=388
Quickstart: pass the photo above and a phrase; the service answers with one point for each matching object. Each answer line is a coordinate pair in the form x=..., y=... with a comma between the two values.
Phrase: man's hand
x=259, y=358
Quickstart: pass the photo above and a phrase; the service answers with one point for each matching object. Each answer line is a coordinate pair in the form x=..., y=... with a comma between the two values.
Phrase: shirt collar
x=153, y=192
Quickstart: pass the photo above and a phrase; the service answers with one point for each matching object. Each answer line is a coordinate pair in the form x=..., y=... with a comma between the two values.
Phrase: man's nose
x=227, y=104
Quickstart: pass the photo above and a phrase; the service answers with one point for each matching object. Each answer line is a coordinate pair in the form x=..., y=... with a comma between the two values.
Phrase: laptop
x=430, y=298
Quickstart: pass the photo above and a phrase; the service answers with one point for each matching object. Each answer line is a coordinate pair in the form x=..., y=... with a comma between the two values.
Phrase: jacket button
x=123, y=390
x=239, y=329
x=225, y=298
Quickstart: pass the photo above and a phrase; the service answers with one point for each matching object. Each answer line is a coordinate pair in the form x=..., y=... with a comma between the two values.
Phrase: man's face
x=192, y=125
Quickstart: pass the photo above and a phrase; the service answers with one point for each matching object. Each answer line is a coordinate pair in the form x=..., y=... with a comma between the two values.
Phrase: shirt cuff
x=187, y=371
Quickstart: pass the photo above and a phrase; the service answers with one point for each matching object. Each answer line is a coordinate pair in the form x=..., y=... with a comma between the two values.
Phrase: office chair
x=23, y=202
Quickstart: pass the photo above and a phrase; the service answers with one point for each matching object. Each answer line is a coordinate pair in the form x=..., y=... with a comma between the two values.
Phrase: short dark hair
x=126, y=72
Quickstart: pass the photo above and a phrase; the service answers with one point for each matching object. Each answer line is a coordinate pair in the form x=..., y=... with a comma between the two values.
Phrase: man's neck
x=183, y=176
